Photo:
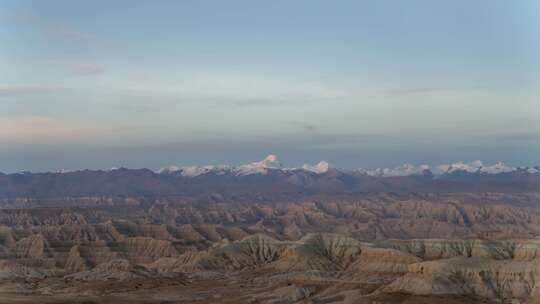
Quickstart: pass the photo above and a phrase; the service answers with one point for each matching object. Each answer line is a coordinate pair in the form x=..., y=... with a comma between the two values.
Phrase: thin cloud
x=88, y=69
x=304, y=126
x=527, y=137
x=238, y=90
x=432, y=90
x=51, y=28
x=23, y=89
x=136, y=108
x=251, y=102
x=36, y=127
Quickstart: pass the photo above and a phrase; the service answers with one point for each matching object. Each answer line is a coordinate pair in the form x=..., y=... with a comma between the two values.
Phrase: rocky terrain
x=320, y=248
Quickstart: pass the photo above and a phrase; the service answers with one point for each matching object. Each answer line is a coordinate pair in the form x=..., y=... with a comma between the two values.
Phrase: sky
x=97, y=84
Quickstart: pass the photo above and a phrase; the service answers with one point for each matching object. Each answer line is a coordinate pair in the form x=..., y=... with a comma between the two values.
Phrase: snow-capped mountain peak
x=271, y=161
x=192, y=171
x=321, y=167
x=271, y=158
x=532, y=170
x=498, y=167
x=260, y=167
x=403, y=170
x=461, y=166
x=169, y=169
x=476, y=167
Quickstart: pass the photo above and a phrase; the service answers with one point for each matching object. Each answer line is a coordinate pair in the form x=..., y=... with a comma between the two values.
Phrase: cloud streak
x=413, y=91
x=238, y=90
x=308, y=127
x=50, y=27
x=38, y=127
x=24, y=89
x=88, y=69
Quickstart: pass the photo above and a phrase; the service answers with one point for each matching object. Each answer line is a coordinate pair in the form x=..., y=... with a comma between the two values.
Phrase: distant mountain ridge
x=406, y=169
x=269, y=178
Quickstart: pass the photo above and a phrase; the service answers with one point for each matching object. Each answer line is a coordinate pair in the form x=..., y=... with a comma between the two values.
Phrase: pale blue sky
x=94, y=84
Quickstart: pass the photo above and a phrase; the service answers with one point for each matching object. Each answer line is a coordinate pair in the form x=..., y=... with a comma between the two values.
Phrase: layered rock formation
x=356, y=248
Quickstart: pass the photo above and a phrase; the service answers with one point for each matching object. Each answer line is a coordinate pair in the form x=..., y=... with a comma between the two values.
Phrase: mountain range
x=271, y=162
x=270, y=177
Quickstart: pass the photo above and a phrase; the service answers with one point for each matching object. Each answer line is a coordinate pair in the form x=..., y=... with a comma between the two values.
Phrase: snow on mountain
x=260, y=167
x=271, y=162
x=496, y=168
x=460, y=166
x=532, y=170
x=169, y=169
x=403, y=170
x=476, y=167
x=193, y=171
x=321, y=167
